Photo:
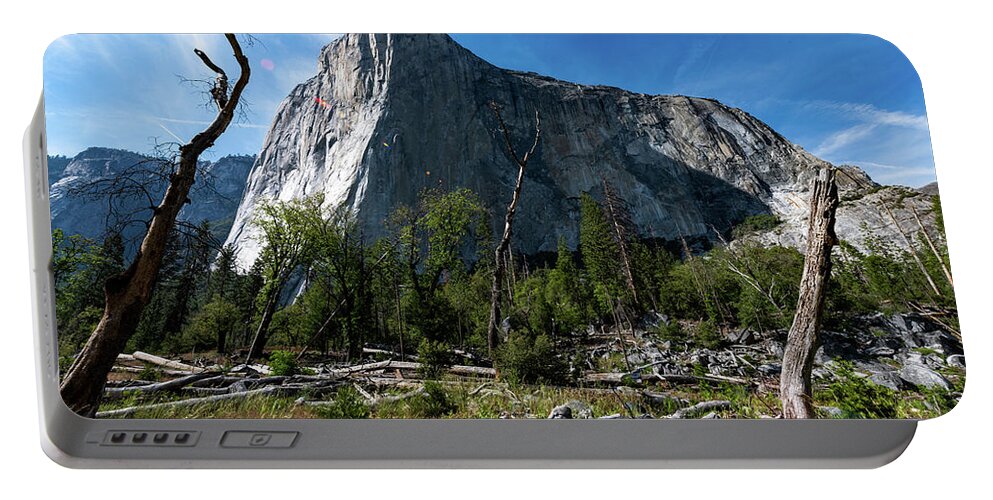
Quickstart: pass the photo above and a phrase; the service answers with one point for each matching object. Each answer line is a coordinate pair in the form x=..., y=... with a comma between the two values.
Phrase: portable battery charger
x=420, y=250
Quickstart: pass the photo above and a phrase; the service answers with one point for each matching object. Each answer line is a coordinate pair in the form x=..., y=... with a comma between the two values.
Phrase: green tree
x=433, y=240
x=224, y=278
x=286, y=235
x=343, y=266
x=210, y=328
x=566, y=294
x=81, y=266
x=601, y=256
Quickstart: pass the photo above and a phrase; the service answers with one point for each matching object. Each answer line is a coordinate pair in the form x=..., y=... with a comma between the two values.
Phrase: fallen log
x=255, y=369
x=372, y=402
x=125, y=412
x=273, y=380
x=369, y=397
x=706, y=406
x=618, y=378
x=399, y=397
x=128, y=383
x=204, y=391
x=704, y=378
x=170, y=385
x=133, y=369
x=371, y=350
x=216, y=381
x=167, y=363
x=344, y=372
x=478, y=371
x=656, y=398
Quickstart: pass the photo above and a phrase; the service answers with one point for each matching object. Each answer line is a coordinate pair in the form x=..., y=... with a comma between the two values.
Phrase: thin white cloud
x=870, y=114
x=205, y=122
x=867, y=113
x=170, y=132
x=894, y=144
x=844, y=138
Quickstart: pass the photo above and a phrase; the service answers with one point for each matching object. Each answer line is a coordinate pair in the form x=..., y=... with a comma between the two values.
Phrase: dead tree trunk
x=127, y=294
x=803, y=340
x=934, y=248
x=262, y=332
x=913, y=250
x=504, y=244
x=620, y=221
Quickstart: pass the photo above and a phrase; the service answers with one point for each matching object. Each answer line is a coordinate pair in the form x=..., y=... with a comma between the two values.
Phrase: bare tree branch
x=504, y=244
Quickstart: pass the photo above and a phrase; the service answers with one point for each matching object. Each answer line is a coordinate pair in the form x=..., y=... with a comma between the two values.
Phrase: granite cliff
x=389, y=115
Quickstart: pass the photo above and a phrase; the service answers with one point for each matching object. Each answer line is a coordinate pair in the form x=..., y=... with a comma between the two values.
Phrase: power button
x=260, y=439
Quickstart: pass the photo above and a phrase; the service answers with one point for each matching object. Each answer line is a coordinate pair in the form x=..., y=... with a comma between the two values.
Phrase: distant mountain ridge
x=81, y=203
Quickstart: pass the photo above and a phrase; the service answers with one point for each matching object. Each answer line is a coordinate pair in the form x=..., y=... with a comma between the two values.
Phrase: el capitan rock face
x=389, y=115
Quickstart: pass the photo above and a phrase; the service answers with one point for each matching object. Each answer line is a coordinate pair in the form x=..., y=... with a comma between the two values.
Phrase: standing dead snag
x=127, y=294
x=803, y=339
x=504, y=244
x=620, y=220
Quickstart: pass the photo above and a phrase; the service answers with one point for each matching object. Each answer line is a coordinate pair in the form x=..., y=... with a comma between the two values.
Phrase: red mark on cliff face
x=322, y=102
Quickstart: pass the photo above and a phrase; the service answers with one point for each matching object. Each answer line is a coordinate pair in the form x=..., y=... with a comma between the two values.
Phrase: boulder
x=572, y=409
x=922, y=376
x=831, y=411
x=955, y=360
x=881, y=351
x=890, y=379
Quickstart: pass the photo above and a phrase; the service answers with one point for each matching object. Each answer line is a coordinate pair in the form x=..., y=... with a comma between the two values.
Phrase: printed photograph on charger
x=496, y=226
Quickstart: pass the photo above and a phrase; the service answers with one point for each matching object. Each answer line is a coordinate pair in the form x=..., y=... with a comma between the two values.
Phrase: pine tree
x=601, y=256
x=223, y=282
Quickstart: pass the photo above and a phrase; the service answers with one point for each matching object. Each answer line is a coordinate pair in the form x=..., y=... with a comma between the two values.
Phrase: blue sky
x=845, y=98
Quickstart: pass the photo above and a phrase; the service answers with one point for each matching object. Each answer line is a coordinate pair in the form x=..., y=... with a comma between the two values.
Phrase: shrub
x=348, y=403
x=755, y=223
x=859, y=397
x=150, y=373
x=706, y=335
x=283, y=363
x=777, y=270
x=526, y=360
x=65, y=362
x=433, y=403
x=217, y=319
x=291, y=326
x=672, y=331
x=435, y=358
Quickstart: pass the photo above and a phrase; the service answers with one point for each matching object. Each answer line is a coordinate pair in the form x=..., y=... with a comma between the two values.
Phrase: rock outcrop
x=387, y=116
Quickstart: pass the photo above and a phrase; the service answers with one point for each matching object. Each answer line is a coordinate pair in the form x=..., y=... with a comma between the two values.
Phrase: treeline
x=424, y=289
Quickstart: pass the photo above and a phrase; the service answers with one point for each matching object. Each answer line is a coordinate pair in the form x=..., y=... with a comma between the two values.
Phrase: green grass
x=459, y=399
x=612, y=363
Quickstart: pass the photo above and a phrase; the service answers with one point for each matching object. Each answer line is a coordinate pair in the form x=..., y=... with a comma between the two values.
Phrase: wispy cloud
x=868, y=121
x=844, y=138
x=205, y=122
x=893, y=146
x=870, y=114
